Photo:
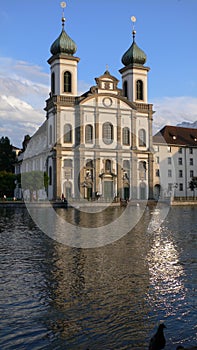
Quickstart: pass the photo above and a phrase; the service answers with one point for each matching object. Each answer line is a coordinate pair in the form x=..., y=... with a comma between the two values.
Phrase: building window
x=67, y=133
x=108, y=165
x=142, y=138
x=180, y=161
x=191, y=173
x=180, y=173
x=68, y=168
x=180, y=187
x=67, y=82
x=142, y=170
x=89, y=134
x=180, y=150
x=157, y=160
x=169, y=187
x=50, y=135
x=191, y=161
x=169, y=173
x=108, y=133
x=125, y=136
x=157, y=172
x=169, y=160
x=169, y=149
x=156, y=148
x=53, y=83
x=50, y=176
x=125, y=89
x=191, y=150
x=139, y=90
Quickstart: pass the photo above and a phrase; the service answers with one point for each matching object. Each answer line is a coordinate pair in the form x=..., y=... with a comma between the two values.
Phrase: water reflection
x=58, y=297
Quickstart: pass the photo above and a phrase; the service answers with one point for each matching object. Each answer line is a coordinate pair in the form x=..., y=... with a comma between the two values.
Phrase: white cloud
x=174, y=110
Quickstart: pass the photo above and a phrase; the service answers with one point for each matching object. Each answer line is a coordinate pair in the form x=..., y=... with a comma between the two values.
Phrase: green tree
x=7, y=155
x=7, y=184
x=193, y=185
x=34, y=181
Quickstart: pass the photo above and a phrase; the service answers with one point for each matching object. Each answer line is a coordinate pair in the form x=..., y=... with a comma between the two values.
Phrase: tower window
x=53, y=83
x=125, y=89
x=125, y=136
x=67, y=133
x=89, y=134
x=67, y=82
x=139, y=90
x=142, y=138
x=107, y=133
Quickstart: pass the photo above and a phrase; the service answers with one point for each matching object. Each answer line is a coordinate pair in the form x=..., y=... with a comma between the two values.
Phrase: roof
x=176, y=135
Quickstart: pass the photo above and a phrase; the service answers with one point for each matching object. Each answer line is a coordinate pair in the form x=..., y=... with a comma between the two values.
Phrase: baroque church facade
x=98, y=144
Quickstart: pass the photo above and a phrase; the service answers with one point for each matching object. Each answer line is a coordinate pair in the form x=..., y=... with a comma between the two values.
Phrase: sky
x=165, y=29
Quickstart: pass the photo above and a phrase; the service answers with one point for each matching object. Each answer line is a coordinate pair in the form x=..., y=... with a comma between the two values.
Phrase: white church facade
x=98, y=144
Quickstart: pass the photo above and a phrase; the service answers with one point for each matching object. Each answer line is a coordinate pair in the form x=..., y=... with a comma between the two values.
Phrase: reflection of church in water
x=99, y=143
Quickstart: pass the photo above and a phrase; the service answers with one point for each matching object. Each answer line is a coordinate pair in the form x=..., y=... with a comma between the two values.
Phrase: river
x=54, y=296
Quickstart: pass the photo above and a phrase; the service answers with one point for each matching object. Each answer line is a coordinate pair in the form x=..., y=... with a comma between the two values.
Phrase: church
x=98, y=144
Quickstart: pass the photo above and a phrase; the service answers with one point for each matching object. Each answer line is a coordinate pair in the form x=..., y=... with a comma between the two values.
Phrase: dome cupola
x=134, y=55
x=63, y=44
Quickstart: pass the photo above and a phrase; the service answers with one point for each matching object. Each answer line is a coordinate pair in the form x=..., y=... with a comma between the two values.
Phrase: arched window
x=67, y=133
x=67, y=82
x=50, y=176
x=125, y=89
x=126, y=136
x=108, y=165
x=53, y=83
x=108, y=133
x=142, y=138
x=50, y=135
x=88, y=134
x=139, y=90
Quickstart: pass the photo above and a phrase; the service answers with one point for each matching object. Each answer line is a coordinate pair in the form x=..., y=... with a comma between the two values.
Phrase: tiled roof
x=175, y=135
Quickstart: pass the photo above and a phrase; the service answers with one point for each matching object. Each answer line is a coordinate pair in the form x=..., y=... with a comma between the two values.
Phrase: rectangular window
x=169, y=173
x=157, y=160
x=180, y=173
x=180, y=150
x=191, y=162
x=180, y=187
x=169, y=149
x=169, y=187
x=156, y=148
x=180, y=161
x=169, y=160
x=191, y=173
x=157, y=172
x=191, y=150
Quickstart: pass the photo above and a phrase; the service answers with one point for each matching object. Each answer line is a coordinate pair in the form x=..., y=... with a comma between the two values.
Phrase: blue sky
x=166, y=31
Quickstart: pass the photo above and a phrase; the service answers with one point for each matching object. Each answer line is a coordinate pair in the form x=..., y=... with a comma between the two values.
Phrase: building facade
x=99, y=144
x=175, y=162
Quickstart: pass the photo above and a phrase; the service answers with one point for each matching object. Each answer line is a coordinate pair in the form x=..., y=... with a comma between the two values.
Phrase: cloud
x=174, y=110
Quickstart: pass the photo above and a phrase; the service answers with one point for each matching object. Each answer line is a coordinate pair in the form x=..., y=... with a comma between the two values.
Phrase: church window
x=50, y=176
x=50, y=134
x=88, y=133
x=68, y=168
x=53, y=83
x=125, y=89
x=142, y=170
x=107, y=133
x=67, y=82
x=108, y=165
x=142, y=138
x=139, y=90
x=67, y=133
x=125, y=136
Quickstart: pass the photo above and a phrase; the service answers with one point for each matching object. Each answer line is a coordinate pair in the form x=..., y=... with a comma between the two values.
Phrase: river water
x=54, y=296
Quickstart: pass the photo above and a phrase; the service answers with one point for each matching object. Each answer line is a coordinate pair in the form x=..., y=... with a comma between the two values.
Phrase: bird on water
x=158, y=341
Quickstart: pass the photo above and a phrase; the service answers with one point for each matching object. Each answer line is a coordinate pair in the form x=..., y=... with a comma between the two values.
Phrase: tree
x=7, y=184
x=34, y=181
x=7, y=155
x=193, y=184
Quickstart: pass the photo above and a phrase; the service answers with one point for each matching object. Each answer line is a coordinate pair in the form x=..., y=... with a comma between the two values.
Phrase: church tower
x=63, y=64
x=134, y=74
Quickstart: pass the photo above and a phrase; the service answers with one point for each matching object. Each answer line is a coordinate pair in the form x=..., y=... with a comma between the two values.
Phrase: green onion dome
x=63, y=44
x=134, y=55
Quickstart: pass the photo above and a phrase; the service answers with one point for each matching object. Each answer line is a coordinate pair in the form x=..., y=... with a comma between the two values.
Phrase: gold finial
x=133, y=20
x=63, y=5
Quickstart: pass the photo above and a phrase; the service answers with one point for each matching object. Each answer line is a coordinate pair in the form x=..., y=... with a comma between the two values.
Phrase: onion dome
x=63, y=44
x=134, y=55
